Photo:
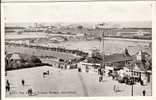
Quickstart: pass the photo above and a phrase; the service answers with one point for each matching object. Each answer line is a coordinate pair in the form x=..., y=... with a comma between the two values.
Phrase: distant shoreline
x=127, y=39
x=27, y=37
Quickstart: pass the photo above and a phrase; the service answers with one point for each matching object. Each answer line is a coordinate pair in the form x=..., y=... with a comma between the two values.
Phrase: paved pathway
x=66, y=83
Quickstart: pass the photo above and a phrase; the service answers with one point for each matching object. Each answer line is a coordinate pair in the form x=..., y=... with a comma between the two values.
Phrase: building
x=140, y=68
x=18, y=60
x=14, y=29
x=91, y=67
x=138, y=71
x=142, y=55
x=116, y=63
x=134, y=33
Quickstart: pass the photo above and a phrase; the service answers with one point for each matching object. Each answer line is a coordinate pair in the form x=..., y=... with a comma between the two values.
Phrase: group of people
x=8, y=86
x=30, y=91
x=116, y=88
x=45, y=73
x=80, y=69
x=100, y=73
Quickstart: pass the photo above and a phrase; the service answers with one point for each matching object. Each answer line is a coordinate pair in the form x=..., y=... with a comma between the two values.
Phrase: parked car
x=127, y=80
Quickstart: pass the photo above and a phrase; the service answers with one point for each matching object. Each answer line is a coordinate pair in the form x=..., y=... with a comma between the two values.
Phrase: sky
x=78, y=12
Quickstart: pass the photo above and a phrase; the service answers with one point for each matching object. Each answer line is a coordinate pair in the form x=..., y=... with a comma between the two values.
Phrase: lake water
x=110, y=45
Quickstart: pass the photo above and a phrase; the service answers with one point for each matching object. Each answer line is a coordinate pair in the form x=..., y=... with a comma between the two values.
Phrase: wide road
x=66, y=83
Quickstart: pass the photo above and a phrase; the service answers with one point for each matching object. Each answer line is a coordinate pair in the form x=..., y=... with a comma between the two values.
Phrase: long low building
x=27, y=35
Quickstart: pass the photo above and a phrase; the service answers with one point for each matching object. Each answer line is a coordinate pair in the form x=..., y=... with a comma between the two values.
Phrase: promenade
x=67, y=83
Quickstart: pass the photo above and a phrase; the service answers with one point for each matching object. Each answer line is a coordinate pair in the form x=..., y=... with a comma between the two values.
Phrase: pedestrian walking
x=113, y=77
x=48, y=72
x=87, y=69
x=117, y=90
x=23, y=82
x=144, y=92
x=99, y=71
x=100, y=78
x=79, y=69
x=6, y=73
x=114, y=88
x=7, y=86
x=30, y=92
x=8, y=83
x=65, y=66
x=59, y=66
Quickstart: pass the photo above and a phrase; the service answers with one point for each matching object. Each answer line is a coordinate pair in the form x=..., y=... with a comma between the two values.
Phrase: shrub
x=33, y=59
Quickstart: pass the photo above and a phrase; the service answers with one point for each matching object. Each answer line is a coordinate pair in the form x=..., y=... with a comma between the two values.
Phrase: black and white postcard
x=77, y=49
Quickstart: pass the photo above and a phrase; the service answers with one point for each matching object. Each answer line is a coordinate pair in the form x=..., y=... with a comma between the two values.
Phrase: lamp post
x=103, y=54
x=103, y=49
x=103, y=65
x=132, y=84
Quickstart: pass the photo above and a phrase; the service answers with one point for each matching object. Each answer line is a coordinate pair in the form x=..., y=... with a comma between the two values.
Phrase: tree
x=34, y=59
x=80, y=27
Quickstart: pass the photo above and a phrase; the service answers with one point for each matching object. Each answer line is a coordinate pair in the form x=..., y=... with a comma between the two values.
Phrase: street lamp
x=132, y=83
x=103, y=53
